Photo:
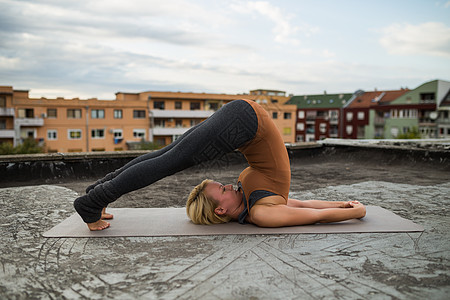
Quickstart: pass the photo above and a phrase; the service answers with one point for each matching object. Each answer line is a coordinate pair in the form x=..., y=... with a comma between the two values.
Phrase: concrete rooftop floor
x=304, y=266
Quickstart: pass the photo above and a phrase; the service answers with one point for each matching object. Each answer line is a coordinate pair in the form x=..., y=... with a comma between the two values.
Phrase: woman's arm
x=318, y=203
x=283, y=215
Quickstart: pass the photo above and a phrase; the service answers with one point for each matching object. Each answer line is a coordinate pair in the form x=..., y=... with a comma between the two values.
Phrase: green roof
x=320, y=101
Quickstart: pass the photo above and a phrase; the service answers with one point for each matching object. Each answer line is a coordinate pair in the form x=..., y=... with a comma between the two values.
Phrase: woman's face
x=224, y=195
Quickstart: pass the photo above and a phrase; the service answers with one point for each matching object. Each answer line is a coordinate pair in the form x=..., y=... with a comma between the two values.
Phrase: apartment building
x=362, y=119
x=443, y=120
x=318, y=116
x=283, y=114
x=419, y=108
x=78, y=125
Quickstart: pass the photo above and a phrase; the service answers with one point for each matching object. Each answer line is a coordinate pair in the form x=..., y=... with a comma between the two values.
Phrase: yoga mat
x=132, y=222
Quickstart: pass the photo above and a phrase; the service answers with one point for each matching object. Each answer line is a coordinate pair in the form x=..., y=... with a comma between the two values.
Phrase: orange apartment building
x=75, y=125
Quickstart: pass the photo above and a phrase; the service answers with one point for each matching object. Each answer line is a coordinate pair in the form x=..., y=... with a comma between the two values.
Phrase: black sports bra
x=254, y=197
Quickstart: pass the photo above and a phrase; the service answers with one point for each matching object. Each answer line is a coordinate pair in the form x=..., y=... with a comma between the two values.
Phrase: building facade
x=417, y=108
x=319, y=116
x=361, y=120
x=283, y=114
x=76, y=125
x=443, y=120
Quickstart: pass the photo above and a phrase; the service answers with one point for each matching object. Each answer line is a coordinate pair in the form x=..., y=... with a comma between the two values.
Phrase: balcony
x=7, y=112
x=169, y=130
x=379, y=121
x=7, y=133
x=180, y=114
x=443, y=121
x=334, y=120
x=29, y=122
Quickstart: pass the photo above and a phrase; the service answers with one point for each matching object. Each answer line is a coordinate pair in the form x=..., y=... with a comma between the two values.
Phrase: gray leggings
x=231, y=127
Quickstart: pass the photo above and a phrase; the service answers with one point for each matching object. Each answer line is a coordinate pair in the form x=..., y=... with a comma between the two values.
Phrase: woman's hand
x=349, y=204
x=361, y=209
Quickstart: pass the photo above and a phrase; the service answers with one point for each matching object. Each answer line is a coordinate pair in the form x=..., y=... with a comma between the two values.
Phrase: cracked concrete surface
x=325, y=266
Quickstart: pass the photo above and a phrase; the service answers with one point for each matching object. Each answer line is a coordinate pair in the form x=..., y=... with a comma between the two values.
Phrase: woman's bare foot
x=105, y=215
x=98, y=225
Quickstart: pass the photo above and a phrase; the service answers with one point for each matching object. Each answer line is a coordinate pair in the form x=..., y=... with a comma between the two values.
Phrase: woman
x=263, y=187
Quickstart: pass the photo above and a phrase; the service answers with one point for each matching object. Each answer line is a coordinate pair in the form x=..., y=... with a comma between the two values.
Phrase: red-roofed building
x=357, y=113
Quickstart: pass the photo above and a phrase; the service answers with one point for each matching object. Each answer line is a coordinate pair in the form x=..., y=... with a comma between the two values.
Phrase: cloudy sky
x=95, y=48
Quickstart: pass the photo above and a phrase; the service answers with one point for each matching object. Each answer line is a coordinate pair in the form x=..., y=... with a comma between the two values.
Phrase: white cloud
x=431, y=38
x=447, y=4
x=283, y=30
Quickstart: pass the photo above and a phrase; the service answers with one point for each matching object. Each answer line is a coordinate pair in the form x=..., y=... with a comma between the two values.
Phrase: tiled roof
x=367, y=99
x=203, y=96
x=320, y=101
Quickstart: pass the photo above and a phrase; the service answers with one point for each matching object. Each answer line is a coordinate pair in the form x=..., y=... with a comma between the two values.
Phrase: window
x=195, y=122
x=310, y=129
x=322, y=114
x=301, y=114
x=427, y=97
x=214, y=106
x=74, y=113
x=333, y=130
x=195, y=105
x=349, y=116
x=52, y=135
x=98, y=114
x=299, y=138
x=25, y=113
x=287, y=115
x=117, y=133
x=178, y=123
x=275, y=115
x=360, y=132
x=323, y=127
x=28, y=133
x=74, y=134
x=311, y=115
x=52, y=113
x=178, y=105
x=139, y=133
x=2, y=101
x=360, y=115
x=349, y=129
x=160, y=123
x=394, y=131
x=287, y=130
x=2, y=124
x=300, y=126
x=139, y=114
x=158, y=105
x=98, y=133
x=118, y=114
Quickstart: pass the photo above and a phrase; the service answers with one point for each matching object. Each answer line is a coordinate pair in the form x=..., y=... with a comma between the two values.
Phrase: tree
x=29, y=146
x=412, y=133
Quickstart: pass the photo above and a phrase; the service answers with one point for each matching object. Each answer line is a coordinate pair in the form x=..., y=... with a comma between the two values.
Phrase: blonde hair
x=200, y=208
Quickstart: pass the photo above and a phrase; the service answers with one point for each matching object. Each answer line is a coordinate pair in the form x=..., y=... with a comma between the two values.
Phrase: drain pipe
x=152, y=122
x=87, y=128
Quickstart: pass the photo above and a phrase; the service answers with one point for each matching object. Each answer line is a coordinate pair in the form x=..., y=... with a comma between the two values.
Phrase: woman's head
x=201, y=207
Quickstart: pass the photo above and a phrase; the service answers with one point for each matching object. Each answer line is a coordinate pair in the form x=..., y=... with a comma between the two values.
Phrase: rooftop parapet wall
x=58, y=167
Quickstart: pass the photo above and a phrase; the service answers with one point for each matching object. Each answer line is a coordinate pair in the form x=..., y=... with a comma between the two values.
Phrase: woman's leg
x=229, y=128
x=139, y=159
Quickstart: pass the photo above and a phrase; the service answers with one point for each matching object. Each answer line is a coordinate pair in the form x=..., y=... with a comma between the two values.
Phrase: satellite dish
x=433, y=115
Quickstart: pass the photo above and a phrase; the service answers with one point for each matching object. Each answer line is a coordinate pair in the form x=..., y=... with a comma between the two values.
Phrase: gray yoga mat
x=131, y=222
